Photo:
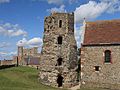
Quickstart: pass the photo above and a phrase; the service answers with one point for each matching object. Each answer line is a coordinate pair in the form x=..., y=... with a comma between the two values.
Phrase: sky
x=22, y=21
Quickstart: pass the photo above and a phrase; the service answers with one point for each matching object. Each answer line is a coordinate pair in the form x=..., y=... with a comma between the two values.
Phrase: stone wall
x=52, y=51
x=30, y=51
x=108, y=75
x=6, y=62
x=25, y=53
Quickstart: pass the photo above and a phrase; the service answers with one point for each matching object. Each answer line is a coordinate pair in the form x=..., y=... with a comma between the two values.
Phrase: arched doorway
x=59, y=80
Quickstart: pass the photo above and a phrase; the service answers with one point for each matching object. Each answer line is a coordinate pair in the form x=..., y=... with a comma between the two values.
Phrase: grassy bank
x=21, y=78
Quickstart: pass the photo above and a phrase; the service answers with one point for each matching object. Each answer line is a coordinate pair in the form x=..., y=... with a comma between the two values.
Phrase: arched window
x=59, y=40
x=107, y=56
x=59, y=61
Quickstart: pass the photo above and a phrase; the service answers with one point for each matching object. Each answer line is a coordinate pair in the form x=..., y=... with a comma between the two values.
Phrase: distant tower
x=35, y=50
x=20, y=50
x=20, y=55
x=59, y=52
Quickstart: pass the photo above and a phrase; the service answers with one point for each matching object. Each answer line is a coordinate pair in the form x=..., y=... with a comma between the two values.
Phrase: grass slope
x=21, y=78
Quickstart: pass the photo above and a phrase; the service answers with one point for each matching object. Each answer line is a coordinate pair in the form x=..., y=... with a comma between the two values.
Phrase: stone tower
x=59, y=52
x=20, y=50
x=20, y=54
x=35, y=50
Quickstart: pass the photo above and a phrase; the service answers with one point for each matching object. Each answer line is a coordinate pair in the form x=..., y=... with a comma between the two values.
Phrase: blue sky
x=22, y=21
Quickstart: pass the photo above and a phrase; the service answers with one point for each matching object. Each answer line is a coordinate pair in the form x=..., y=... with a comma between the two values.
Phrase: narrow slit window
x=60, y=23
x=107, y=56
x=59, y=40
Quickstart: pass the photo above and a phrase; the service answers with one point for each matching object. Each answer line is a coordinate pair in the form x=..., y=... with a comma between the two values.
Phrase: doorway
x=59, y=80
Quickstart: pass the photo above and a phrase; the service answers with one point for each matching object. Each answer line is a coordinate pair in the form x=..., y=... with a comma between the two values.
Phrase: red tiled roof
x=102, y=32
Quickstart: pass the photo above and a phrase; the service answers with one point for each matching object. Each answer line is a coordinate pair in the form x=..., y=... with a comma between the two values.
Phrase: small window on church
x=59, y=61
x=107, y=56
x=59, y=40
x=60, y=23
x=97, y=68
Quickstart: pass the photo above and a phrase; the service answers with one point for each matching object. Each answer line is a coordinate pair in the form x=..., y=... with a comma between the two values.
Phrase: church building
x=100, y=55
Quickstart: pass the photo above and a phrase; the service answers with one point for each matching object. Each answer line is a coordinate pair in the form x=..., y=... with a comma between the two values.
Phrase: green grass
x=92, y=89
x=21, y=78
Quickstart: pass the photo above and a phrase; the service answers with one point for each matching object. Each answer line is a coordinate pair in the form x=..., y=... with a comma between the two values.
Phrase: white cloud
x=58, y=2
x=3, y=53
x=7, y=55
x=12, y=53
x=35, y=41
x=78, y=32
x=93, y=9
x=22, y=42
x=60, y=9
x=114, y=5
x=4, y=44
x=4, y=1
x=17, y=33
x=32, y=42
x=90, y=10
x=11, y=30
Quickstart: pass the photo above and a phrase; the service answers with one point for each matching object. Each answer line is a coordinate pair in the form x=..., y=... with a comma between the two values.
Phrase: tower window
x=107, y=56
x=59, y=61
x=60, y=23
x=97, y=68
x=59, y=40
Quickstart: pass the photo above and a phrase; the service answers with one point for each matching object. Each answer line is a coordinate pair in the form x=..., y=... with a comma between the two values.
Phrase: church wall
x=108, y=75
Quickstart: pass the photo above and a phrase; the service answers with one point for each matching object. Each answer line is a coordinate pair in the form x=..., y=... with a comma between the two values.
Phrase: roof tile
x=102, y=32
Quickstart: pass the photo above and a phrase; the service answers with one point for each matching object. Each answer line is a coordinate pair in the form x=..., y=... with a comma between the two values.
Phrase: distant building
x=33, y=61
x=27, y=54
x=100, y=55
x=6, y=62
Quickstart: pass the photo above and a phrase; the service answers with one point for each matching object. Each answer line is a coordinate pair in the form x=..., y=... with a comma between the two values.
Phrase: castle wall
x=25, y=53
x=6, y=62
x=30, y=51
x=108, y=75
